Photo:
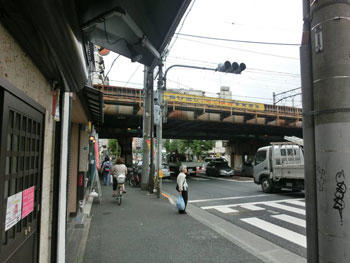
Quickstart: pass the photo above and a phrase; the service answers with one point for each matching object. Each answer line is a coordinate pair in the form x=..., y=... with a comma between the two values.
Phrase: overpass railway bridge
x=198, y=117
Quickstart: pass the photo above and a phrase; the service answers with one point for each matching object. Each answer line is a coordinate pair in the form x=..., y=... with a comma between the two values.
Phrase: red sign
x=97, y=161
x=27, y=201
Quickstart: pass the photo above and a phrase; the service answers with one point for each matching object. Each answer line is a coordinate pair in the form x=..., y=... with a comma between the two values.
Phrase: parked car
x=210, y=159
x=219, y=168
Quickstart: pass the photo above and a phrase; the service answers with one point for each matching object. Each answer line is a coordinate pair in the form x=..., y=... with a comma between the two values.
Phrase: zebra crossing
x=282, y=219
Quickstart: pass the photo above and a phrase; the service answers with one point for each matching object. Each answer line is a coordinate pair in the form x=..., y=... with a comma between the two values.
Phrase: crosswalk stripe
x=226, y=210
x=284, y=233
x=252, y=207
x=296, y=202
x=250, y=203
x=286, y=207
x=226, y=198
x=291, y=219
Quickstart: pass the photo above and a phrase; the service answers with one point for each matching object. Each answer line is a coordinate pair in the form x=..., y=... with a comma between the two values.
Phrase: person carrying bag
x=182, y=188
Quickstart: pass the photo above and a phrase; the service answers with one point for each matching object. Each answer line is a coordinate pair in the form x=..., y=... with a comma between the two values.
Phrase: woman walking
x=182, y=186
x=118, y=169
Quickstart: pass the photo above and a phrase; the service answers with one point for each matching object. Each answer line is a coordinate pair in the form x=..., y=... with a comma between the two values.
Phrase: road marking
x=251, y=203
x=291, y=219
x=294, y=202
x=226, y=210
x=252, y=207
x=286, y=207
x=224, y=198
x=284, y=233
x=170, y=199
x=229, y=180
x=199, y=179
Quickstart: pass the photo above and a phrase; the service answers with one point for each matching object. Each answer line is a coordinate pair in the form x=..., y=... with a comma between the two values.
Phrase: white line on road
x=251, y=203
x=229, y=180
x=252, y=207
x=284, y=233
x=291, y=219
x=224, y=198
x=294, y=202
x=226, y=210
x=286, y=207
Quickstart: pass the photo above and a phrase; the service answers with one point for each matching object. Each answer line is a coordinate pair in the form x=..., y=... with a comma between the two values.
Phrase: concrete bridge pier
x=240, y=152
x=126, y=150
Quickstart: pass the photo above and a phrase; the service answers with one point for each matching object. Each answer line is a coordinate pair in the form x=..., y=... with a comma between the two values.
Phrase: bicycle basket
x=121, y=179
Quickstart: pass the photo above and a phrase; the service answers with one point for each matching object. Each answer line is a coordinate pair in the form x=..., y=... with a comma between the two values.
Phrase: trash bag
x=180, y=203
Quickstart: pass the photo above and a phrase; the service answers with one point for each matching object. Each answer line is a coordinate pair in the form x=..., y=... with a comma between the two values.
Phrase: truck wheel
x=266, y=185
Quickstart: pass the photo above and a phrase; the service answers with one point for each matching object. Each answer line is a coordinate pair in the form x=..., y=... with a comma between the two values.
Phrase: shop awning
x=92, y=100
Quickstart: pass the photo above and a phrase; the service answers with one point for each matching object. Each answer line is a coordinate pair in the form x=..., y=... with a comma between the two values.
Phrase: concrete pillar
x=126, y=150
x=330, y=37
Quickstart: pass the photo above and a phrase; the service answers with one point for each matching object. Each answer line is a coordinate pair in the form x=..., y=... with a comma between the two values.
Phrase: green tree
x=114, y=147
x=199, y=148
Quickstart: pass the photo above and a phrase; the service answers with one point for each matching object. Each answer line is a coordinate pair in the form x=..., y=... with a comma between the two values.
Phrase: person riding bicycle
x=118, y=169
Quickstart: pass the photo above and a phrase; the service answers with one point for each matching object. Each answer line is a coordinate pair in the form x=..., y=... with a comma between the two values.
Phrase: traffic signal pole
x=159, y=128
x=327, y=110
x=147, y=128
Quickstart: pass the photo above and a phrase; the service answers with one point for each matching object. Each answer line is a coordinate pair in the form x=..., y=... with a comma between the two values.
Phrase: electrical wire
x=181, y=26
x=132, y=75
x=240, y=49
x=236, y=40
x=111, y=67
x=248, y=69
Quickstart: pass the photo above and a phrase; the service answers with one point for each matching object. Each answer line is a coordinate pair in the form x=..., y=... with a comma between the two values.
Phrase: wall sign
x=13, y=210
x=27, y=201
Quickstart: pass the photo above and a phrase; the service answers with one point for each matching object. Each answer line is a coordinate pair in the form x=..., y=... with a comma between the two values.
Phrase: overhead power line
x=240, y=49
x=237, y=40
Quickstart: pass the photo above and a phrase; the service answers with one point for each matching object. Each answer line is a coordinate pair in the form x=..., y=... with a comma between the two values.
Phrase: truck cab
x=280, y=165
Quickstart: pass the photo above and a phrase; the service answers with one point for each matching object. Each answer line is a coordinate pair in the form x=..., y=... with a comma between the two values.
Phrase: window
x=283, y=152
x=260, y=157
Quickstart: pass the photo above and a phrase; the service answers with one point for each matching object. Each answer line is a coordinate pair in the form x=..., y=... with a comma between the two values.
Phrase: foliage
x=114, y=147
x=198, y=148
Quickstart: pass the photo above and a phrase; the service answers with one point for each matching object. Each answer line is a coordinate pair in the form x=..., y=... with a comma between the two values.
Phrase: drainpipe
x=61, y=231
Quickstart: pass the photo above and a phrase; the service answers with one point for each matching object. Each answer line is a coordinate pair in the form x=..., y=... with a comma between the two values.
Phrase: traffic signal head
x=231, y=68
x=224, y=67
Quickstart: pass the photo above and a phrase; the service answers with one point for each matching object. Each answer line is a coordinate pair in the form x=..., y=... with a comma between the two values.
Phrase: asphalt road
x=278, y=218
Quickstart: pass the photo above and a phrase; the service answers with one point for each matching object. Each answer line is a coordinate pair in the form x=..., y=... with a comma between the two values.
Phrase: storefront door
x=21, y=141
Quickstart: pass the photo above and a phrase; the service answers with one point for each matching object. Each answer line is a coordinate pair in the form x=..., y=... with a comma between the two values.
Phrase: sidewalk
x=147, y=229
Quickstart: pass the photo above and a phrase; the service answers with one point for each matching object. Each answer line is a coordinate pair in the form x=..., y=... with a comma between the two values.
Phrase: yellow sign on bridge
x=193, y=99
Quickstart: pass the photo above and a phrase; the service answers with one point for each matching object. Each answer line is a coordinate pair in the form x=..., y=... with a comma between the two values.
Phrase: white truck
x=280, y=165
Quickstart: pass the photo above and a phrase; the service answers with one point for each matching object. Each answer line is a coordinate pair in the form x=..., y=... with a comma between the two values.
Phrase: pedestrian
x=106, y=166
x=118, y=169
x=182, y=186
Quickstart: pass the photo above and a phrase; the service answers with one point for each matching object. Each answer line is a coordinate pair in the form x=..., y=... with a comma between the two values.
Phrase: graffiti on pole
x=339, y=203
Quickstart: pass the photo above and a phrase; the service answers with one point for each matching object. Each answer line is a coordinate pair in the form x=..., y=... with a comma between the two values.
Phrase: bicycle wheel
x=119, y=196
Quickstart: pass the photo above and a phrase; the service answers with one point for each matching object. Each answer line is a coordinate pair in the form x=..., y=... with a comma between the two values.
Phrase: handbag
x=180, y=203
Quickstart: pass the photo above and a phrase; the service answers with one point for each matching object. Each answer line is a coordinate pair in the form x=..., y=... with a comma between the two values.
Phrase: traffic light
x=227, y=67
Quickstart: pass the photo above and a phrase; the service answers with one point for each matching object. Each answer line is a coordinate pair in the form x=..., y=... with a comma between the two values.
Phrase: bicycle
x=120, y=183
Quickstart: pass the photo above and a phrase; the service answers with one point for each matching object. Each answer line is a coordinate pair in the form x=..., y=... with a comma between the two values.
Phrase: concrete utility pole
x=159, y=128
x=330, y=108
x=147, y=128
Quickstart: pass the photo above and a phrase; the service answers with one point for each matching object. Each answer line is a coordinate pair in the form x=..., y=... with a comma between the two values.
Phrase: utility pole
x=159, y=127
x=151, y=171
x=147, y=102
x=330, y=109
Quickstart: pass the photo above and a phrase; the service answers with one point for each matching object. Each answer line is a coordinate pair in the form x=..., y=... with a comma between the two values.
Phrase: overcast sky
x=270, y=68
